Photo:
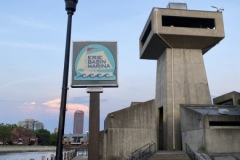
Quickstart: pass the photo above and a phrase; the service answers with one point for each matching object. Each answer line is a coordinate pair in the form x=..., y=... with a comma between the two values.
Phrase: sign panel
x=94, y=64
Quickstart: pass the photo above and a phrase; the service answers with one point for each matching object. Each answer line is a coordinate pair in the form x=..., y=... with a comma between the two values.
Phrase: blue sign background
x=95, y=62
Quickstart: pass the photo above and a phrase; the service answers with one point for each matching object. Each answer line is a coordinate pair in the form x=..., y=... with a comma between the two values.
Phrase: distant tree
x=43, y=136
x=5, y=133
x=14, y=126
x=53, y=139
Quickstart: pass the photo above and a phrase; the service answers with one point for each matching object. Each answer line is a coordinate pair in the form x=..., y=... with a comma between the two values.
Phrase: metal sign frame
x=94, y=64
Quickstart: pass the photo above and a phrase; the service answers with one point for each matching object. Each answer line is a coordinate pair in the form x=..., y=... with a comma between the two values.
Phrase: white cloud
x=17, y=20
x=29, y=104
x=29, y=45
x=33, y=103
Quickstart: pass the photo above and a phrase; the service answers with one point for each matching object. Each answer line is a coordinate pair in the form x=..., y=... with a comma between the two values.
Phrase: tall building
x=31, y=124
x=78, y=122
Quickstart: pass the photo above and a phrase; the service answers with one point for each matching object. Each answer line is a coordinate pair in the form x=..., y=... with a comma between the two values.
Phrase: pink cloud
x=53, y=103
x=74, y=107
x=71, y=107
x=33, y=103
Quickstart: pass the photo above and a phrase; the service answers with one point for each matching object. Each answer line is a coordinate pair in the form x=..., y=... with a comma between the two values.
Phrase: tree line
x=43, y=135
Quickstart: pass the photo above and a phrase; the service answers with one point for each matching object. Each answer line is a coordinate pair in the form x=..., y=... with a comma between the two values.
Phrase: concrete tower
x=177, y=38
x=78, y=122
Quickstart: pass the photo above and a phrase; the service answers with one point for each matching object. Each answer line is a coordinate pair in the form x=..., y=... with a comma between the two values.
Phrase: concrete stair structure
x=170, y=155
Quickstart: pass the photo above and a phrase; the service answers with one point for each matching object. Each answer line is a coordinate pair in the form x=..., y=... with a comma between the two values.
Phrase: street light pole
x=70, y=8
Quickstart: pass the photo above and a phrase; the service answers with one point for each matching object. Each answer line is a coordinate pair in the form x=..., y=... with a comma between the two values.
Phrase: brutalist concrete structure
x=232, y=98
x=177, y=39
x=211, y=128
x=128, y=129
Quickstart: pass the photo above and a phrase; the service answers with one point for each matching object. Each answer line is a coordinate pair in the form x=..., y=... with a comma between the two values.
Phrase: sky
x=32, y=48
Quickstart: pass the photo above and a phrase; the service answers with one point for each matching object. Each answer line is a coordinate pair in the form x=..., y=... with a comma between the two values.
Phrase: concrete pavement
x=80, y=158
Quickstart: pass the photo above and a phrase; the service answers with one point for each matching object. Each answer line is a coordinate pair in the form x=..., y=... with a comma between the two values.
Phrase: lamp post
x=70, y=8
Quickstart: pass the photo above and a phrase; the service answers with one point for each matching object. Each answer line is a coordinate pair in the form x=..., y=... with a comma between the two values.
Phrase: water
x=34, y=155
x=26, y=156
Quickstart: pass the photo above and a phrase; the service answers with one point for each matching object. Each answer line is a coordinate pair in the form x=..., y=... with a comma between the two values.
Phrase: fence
x=82, y=151
x=67, y=155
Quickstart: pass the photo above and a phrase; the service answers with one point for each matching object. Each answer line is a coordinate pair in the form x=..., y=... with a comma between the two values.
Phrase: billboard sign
x=94, y=64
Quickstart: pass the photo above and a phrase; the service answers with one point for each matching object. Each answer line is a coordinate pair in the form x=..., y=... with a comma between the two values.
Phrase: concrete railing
x=192, y=155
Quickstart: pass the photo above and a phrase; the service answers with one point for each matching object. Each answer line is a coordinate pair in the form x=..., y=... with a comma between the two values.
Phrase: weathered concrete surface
x=181, y=79
x=198, y=131
x=192, y=128
x=79, y=158
x=177, y=39
x=157, y=36
x=233, y=98
x=129, y=129
x=167, y=155
x=224, y=158
x=222, y=140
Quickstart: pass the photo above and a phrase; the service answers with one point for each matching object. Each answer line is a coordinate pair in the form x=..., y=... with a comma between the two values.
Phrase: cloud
x=31, y=23
x=74, y=107
x=55, y=103
x=71, y=107
x=29, y=45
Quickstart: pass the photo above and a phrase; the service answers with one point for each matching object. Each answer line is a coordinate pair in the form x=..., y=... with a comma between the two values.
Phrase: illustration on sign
x=95, y=62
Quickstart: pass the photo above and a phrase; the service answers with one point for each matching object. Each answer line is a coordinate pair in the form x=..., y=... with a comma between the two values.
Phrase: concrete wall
x=181, y=79
x=129, y=129
x=203, y=137
x=192, y=128
x=222, y=139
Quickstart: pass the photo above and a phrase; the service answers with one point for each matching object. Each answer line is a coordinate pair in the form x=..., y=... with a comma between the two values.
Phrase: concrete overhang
x=173, y=28
x=232, y=98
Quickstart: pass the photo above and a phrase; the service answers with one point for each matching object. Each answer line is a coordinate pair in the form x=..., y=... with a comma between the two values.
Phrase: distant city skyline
x=31, y=124
x=78, y=122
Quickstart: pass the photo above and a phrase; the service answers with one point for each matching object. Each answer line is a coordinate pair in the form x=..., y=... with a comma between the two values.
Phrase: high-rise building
x=31, y=124
x=78, y=122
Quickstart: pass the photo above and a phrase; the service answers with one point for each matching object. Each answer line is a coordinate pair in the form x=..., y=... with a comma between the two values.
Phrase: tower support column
x=181, y=79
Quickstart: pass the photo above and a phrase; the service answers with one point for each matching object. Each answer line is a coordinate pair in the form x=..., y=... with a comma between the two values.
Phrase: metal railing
x=191, y=153
x=83, y=151
x=143, y=153
x=80, y=150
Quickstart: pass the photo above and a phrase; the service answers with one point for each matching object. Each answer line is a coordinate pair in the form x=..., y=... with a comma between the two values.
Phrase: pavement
x=21, y=148
x=80, y=158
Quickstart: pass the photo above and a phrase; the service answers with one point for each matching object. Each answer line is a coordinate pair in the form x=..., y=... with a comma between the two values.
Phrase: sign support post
x=94, y=67
x=94, y=116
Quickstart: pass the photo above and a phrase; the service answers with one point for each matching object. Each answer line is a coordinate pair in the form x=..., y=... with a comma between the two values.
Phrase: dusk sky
x=32, y=48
